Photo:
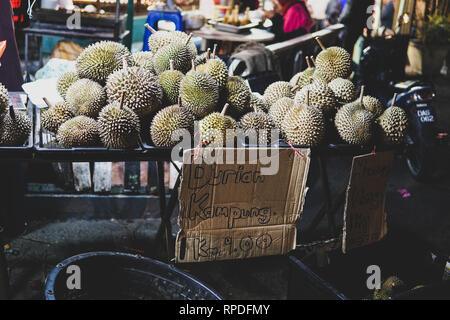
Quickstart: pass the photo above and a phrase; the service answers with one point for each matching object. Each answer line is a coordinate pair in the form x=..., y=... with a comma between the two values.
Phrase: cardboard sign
x=364, y=213
x=234, y=211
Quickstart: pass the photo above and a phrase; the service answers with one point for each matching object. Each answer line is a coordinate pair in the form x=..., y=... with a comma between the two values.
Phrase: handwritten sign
x=235, y=211
x=364, y=213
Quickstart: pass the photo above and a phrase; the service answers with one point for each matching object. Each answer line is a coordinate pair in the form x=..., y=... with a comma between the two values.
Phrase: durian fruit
x=237, y=96
x=100, y=59
x=143, y=59
x=333, y=62
x=119, y=126
x=320, y=96
x=199, y=92
x=161, y=38
x=256, y=101
x=257, y=123
x=55, y=116
x=302, y=79
x=304, y=125
x=143, y=91
x=86, y=98
x=64, y=81
x=278, y=90
x=373, y=105
x=80, y=131
x=344, y=90
x=214, y=127
x=354, y=123
x=217, y=69
x=179, y=51
x=167, y=122
x=390, y=287
x=4, y=98
x=202, y=58
x=279, y=109
x=170, y=83
x=15, y=128
x=392, y=124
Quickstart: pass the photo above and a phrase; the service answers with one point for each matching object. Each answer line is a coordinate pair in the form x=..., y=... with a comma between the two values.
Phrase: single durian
x=55, y=116
x=304, y=125
x=392, y=124
x=216, y=68
x=159, y=39
x=119, y=126
x=80, y=131
x=15, y=128
x=279, y=109
x=170, y=83
x=4, y=98
x=179, y=51
x=278, y=90
x=344, y=90
x=354, y=123
x=333, y=62
x=215, y=127
x=64, y=81
x=86, y=98
x=257, y=123
x=257, y=101
x=320, y=96
x=390, y=287
x=143, y=59
x=100, y=59
x=237, y=96
x=167, y=122
x=143, y=91
x=373, y=105
x=199, y=92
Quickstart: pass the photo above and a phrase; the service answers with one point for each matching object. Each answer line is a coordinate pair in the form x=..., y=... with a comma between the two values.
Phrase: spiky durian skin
x=393, y=124
x=304, y=126
x=119, y=127
x=279, y=109
x=258, y=103
x=181, y=54
x=343, y=89
x=170, y=83
x=276, y=91
x=199, y=93
x=391, y=286
x=86, y=97
x=201, y=59
x=15, y=128
x=213, y=129
x=100, y=59
x=167, y=122
x=302, y=78
x=238, y=96
x=258, y=123
x=217, y=69
x=320, y=96
x=354, y=123
x=143, y=59
x=80, y=131
x=4, y=98
x=334, y=62
x=162, y=38
x=373, y=105
x=143, y=93
x=64, y=81
x=54, y=117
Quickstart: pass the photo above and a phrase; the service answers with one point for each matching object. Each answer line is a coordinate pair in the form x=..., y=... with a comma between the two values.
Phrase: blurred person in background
x=354, y=17
x=10, y=70
x=332, y=12
x=387, y=14
x=290, y=19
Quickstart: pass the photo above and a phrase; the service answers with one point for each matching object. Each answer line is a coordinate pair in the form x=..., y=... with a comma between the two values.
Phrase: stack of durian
x=114, y=98
x=15, y=126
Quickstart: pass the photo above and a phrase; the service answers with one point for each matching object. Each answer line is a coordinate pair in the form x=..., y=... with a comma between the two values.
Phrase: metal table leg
x=27, y=67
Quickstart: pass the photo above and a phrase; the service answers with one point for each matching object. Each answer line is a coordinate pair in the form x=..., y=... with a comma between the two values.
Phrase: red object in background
x=16, y=4
x=2, y=48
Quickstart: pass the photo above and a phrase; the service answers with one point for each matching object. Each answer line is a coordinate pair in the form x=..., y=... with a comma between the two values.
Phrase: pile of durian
x=15, y=126
x=114, y=98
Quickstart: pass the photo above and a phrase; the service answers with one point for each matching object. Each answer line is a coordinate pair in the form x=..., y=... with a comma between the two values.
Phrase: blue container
x=154, y=16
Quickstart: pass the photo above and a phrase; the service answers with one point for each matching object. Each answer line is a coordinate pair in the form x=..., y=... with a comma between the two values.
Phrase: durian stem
x=393, y=99
x=149, y=28
x=224, y=110
x=188, y=39
x=361, y=95
x=179, y=102
x=193, y=65
x=214, y=51
x=320, y=43
x=125, y=63
x=172, y=68
x=208, y=54
x=307, y=97
x=47, y=102
x=295, y=88
x=308, y=62
x=313, y=61
x=122, y=100
x=11, y=112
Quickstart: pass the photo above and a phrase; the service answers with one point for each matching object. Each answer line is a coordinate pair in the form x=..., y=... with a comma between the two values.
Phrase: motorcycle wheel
x=419, y=159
